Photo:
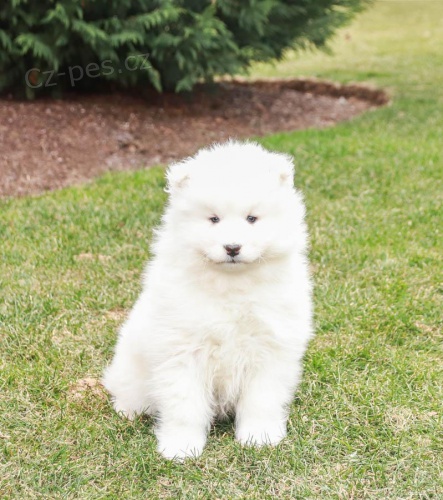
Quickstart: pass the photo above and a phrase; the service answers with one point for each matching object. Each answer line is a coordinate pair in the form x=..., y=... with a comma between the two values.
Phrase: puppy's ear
x=285, y=168
x=177, y=176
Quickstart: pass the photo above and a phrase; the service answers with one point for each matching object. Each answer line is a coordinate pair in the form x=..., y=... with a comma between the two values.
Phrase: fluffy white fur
x=213, y=334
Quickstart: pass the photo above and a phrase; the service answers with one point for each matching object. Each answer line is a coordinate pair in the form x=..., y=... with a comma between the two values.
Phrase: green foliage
x=182, y=41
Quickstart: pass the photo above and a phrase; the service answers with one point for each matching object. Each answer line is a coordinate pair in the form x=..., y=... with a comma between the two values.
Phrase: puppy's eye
x=214, y=219
x=251, y=219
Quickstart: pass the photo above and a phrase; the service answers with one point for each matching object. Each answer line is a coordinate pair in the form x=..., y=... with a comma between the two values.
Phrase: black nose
x=232, y=250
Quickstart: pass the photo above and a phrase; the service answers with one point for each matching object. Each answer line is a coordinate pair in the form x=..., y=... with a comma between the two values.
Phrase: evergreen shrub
x=168, y=44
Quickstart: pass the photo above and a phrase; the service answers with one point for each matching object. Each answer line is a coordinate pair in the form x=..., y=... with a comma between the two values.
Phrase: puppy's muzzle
x=232, y=250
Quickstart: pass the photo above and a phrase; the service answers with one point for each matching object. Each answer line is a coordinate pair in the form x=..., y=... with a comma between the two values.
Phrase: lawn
x=367, y=421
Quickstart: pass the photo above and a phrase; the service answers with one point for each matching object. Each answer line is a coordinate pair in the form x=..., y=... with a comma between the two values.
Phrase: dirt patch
x=49, y=144
x=86, y=387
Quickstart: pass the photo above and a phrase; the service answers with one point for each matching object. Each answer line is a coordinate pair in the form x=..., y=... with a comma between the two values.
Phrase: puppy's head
x=233, y=205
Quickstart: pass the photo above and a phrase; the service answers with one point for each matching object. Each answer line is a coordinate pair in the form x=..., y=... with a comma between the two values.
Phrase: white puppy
x=225, y=313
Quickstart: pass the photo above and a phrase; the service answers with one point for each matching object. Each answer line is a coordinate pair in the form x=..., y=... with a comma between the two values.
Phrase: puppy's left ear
x=285, y=168
x=177, y=176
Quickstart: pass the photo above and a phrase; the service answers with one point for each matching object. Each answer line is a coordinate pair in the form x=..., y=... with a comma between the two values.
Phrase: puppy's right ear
x=177, y=176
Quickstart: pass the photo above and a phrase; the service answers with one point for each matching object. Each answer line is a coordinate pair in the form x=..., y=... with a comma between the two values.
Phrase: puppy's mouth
x=232, y=262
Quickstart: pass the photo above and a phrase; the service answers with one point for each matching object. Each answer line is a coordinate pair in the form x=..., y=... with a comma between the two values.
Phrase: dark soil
x=48, y=144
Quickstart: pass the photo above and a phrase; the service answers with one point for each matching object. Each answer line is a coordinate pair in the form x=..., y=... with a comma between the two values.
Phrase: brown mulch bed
x=48, y=144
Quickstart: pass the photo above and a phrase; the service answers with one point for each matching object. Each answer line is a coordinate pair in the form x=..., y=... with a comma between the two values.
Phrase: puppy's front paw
x=260, y=433
x=181, y=442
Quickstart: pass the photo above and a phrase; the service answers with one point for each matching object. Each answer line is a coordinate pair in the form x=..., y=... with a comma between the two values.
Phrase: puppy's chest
x=232, y=348
x=235, y=334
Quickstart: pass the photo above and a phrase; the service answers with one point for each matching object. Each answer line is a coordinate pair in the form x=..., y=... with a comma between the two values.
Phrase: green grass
x=368, y=419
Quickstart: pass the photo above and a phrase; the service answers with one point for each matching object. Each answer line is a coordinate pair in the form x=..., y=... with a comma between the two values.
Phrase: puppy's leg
x=262, y=411
x=184, y=413
x=125, y=379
